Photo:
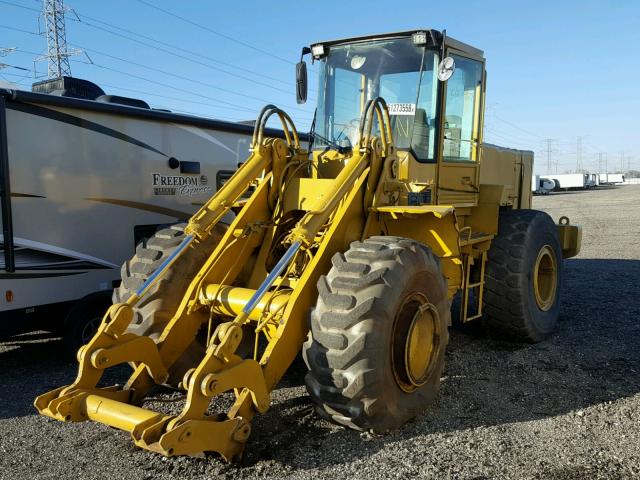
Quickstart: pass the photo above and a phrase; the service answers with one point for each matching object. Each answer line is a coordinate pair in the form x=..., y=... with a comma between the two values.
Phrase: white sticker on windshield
x=402, y=108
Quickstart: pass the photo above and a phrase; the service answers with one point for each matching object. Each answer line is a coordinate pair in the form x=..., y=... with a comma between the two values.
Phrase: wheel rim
x=545, y=278
x=415, y=342
x=89, y=330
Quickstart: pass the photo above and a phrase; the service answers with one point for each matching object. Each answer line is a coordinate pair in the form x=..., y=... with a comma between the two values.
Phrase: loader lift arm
x=275, y=304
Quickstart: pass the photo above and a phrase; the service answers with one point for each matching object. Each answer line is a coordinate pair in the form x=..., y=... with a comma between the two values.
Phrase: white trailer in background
x=611, y=178
x=82, y=181
x=541, y=185
x=569, y=181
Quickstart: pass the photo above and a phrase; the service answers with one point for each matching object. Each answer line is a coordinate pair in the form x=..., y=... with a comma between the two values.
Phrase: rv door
x=5, y=193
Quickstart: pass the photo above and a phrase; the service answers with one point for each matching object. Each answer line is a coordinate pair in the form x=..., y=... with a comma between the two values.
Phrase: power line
x=178, y=99
x=6, y=51
x=226, y=105
x=81, y=20
x=499, y=134
x=537, y=136
x=210, y=30
x=164, y=50
x=175, y=47
x=20, y=6
x=7, y=27
x=155, y=69
x=165, y=85
x=182, y=77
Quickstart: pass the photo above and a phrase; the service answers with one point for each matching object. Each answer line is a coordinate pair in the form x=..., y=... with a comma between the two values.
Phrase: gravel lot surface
x=567, y=408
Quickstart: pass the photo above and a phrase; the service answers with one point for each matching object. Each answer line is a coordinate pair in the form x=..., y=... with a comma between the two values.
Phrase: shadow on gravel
x=593, y=358
x=32, y=363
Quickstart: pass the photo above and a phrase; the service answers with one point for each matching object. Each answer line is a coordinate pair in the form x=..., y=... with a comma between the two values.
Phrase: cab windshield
x=404, y=74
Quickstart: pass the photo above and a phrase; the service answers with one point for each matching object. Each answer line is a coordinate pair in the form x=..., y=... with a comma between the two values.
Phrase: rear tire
x=374, y=358
x=82, y=321
x=524, y=277
x=159, y=304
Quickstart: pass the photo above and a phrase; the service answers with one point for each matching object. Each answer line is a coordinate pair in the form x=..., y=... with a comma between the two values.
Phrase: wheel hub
x=415, y=342
x=545, y=278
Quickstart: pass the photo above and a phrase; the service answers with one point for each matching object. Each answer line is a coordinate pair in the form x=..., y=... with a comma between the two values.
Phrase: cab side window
x=462, y=110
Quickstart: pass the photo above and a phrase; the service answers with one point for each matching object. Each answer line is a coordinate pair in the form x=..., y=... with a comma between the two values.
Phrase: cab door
x=461, y=133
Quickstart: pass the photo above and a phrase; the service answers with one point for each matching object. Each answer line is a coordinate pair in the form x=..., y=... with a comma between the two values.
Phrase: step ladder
x=466, y=302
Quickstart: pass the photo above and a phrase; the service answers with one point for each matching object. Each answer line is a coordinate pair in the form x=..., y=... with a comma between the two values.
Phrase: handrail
x=288, y=127
x=378, y=106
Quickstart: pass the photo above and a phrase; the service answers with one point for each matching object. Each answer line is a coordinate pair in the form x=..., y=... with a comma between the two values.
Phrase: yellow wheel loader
x=350, y=251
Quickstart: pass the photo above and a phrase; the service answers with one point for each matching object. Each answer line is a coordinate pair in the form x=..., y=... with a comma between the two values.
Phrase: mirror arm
x=305, y=51
x=442, y=42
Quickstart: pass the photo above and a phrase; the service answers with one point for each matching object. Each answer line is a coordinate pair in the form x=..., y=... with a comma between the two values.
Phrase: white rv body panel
x=88, y=181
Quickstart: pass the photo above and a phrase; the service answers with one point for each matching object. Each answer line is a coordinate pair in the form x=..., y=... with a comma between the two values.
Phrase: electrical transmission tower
x=579, y=155
x=57, y=52
x=550, y=142
x=600, y=154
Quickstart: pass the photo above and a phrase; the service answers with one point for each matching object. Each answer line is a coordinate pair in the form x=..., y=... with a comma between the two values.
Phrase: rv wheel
x=83, y=319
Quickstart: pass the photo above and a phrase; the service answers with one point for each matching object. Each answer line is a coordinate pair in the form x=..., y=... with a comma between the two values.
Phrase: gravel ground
x=567, y=408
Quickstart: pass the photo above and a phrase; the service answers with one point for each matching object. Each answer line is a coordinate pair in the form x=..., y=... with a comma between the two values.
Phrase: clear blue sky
x=556, y=69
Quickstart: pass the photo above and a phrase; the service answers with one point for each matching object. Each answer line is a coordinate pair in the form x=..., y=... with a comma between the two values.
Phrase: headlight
x=317, y=51
x=419, y=38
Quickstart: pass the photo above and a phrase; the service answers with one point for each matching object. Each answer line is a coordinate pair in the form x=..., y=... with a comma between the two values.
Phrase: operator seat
x=420, y=140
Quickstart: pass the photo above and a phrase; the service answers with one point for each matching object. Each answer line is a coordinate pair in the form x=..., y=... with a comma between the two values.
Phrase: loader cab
x=436, y=121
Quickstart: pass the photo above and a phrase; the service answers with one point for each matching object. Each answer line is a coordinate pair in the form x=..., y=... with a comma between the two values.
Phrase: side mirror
x=301, y=82
x=446, y=68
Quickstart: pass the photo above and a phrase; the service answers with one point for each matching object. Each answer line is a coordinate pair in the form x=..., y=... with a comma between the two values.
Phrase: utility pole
x=621, y=161
x=57, y=52
x=579, y=155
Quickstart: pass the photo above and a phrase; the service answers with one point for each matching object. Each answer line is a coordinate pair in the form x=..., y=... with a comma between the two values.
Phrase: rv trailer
x=82, y=183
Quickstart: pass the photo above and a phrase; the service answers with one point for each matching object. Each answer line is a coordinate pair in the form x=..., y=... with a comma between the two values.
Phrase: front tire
x=375, y=351
x=159, y=304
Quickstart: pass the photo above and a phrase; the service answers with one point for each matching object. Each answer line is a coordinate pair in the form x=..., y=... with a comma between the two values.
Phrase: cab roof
x=434, y=39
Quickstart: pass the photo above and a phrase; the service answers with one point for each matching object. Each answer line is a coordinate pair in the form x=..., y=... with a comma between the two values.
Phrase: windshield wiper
x=331, y=143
